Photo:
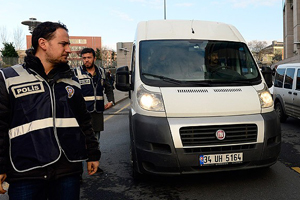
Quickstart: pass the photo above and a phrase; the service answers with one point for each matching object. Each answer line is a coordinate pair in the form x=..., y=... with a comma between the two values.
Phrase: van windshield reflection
x=183, y=61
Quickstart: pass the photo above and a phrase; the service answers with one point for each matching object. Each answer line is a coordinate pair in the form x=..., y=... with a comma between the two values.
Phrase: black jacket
x=93, y=87
x=58, y=139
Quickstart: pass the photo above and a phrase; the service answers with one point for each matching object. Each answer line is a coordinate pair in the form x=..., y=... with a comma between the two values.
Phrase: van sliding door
x=288, y=91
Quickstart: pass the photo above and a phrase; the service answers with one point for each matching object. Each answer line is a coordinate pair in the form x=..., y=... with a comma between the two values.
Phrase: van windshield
x=197, y=62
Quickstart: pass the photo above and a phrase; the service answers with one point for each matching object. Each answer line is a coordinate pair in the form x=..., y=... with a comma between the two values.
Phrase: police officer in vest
x=45, y=129
x=93, y=85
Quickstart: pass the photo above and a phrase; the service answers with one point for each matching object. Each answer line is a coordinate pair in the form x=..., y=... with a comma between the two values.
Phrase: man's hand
x=92, y=167
x=108, y=105
x=2, y=179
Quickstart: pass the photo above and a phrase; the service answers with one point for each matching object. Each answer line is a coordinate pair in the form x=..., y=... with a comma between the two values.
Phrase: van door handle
x=290, y=92
x=295, y=93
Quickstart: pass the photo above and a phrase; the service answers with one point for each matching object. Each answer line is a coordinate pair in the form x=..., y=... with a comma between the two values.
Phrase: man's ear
x=43, y=43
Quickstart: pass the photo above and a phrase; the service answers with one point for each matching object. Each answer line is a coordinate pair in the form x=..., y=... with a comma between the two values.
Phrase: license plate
x=215, y=159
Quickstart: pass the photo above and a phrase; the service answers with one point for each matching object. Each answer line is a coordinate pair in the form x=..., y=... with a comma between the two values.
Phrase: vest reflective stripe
x=66, y=122
x=22, y=78
x=69, y=81
x=41, y=124
x=79, y=74
x=92, y=93
x=92, y=98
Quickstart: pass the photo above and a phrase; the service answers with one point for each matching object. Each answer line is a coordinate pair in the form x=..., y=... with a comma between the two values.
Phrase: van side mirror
x=122, y=79
x=267, y=74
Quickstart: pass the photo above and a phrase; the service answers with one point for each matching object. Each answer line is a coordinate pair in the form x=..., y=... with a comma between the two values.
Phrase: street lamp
x=32, y=23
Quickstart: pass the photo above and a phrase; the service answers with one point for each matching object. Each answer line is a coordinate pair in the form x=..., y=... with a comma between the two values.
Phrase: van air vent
x=192, y=91
x=228, y=90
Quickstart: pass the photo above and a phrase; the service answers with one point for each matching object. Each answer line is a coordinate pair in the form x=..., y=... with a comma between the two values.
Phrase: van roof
x=187, y=29
x=289, y=65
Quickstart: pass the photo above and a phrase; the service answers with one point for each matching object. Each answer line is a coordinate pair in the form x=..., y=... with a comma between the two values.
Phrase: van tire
x=136, y=175
x=280, y=112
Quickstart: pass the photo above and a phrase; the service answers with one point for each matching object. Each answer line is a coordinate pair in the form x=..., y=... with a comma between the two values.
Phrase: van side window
x=288, y=80
x=279, y=78
x=298, y=80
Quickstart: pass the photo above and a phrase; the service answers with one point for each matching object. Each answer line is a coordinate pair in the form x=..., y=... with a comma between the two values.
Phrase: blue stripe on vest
x=10, y=72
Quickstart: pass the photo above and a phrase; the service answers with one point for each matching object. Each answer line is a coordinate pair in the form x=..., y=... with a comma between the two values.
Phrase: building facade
x=271, y=53
x=77, y=44
x=124, y=50
x=291, y=31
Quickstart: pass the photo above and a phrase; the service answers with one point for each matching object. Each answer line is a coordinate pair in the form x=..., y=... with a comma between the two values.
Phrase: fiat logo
x=220, y=134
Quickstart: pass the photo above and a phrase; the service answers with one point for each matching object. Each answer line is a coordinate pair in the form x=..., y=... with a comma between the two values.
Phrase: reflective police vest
x=43, y=125
x=92, y=92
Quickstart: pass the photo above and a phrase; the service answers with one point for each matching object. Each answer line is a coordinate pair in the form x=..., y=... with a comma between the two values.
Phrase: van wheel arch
x=136, y=175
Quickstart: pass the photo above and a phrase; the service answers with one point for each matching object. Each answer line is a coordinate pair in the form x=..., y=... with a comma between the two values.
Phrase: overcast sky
x=116, y=20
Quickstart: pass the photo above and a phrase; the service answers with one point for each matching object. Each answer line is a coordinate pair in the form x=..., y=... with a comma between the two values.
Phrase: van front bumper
x=156, y=152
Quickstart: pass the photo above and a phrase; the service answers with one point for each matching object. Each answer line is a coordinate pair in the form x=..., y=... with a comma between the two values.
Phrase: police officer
x=93, y=85
x=45, y=129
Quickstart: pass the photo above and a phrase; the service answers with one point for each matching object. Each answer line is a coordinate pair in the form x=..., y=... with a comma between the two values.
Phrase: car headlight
x=265, y=97
x=151, y=101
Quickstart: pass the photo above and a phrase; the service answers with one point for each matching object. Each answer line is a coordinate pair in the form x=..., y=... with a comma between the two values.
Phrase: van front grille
x=206, y=135
x=220, y=149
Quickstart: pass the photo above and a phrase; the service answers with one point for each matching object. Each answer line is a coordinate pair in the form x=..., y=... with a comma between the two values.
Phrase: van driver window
x=298, y=80
x=279, y=78
x=288, y=81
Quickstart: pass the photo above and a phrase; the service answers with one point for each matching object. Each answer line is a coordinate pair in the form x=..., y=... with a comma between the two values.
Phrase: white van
x=199, y=103
x=286, y=91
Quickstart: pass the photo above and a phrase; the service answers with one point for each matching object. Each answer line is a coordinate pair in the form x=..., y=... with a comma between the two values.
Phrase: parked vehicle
x=286, y=91
x=199, y=102
x=274, y=67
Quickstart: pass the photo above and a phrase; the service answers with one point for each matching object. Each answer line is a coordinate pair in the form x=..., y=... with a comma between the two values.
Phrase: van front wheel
x=280, y=113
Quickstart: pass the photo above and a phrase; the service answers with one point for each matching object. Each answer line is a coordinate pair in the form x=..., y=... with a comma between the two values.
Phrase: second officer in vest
x=94, y=85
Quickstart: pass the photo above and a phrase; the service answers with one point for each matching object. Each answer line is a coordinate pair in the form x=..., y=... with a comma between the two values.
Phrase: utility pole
x=165, y=10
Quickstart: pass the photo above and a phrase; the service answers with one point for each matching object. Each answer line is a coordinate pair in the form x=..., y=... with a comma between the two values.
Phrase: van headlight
x=265, y=97
x=151, y=101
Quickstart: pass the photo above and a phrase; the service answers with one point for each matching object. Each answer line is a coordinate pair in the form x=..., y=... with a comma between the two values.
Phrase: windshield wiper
x=164, y=78
x=171, y=80
x=244, y=82
x=199, y=83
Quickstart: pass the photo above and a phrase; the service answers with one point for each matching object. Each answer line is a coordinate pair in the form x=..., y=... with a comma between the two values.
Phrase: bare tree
x=104, y=52
x=107, y=56
x=257, y=47
x=3, y=34
x=19, y=38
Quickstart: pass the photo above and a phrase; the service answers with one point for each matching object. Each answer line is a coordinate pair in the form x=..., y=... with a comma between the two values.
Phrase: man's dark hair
x=88, y=50
x=45, y=30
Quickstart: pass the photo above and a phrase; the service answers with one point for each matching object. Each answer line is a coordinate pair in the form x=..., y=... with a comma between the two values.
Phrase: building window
x=77, y=48
x=78, y=41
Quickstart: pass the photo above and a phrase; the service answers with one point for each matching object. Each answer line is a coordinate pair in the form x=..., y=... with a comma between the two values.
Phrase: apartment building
x=269, y=52
x=291, y=31
x=124, y=50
